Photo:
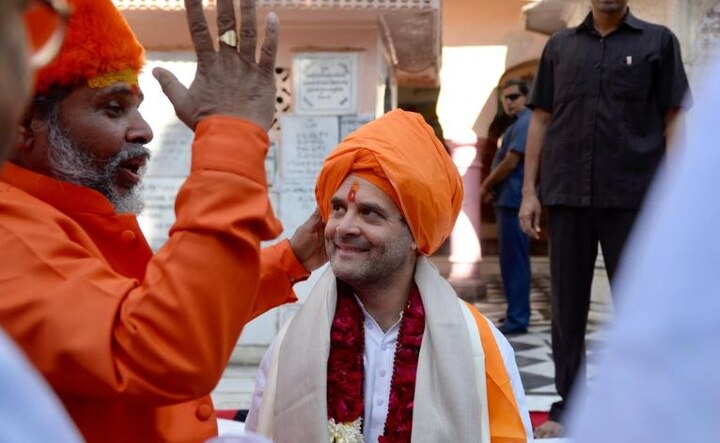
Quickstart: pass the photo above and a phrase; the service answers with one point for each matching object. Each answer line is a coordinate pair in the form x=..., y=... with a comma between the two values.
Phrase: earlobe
x=24, y=137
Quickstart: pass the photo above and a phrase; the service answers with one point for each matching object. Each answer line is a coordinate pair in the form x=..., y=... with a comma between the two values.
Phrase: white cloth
x=228, y=427
x=29, y=410
x=231, y=431
x=447, y=392
x=658, y=380
x=378, y=359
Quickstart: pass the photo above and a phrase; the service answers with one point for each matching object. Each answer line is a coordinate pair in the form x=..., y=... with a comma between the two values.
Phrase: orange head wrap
x=400, y=154
x=99, y=49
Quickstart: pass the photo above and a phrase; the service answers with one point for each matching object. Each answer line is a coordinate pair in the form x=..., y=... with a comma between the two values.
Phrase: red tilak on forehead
x=351, y=193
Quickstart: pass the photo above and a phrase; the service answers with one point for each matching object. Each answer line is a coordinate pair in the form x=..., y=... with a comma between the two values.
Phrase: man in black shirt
x=606, y=98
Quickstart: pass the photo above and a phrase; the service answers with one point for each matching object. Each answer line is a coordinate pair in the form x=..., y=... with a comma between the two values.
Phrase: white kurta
x=378, y=359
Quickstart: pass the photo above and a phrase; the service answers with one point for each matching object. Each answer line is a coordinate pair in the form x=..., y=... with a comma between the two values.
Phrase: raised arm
x=162, y=334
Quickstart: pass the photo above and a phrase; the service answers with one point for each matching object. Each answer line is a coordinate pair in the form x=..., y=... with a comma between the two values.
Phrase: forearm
x=673, y=128
x=536, y=139
x=502, y=170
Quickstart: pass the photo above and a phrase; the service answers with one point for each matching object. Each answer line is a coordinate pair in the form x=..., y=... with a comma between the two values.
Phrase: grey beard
x=70, y=163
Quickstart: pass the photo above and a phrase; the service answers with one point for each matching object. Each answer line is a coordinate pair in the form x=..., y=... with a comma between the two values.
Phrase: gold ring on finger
x=229, y=38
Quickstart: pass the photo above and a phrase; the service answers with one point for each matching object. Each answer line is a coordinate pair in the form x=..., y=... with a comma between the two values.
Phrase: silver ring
x=229, y=38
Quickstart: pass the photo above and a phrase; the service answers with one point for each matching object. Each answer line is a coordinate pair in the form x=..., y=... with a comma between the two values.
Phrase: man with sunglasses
x=503, y=186
x=606, y=99
x=133, y=343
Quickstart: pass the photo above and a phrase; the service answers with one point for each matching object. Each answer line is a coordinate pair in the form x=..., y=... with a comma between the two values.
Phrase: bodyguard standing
x=606, y=99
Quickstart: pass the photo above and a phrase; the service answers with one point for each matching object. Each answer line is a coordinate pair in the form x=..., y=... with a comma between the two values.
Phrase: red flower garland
x=346, y=369
x=345, y=374
x=398, y=424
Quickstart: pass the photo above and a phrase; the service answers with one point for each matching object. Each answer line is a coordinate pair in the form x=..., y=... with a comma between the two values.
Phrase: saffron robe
x=134, y=343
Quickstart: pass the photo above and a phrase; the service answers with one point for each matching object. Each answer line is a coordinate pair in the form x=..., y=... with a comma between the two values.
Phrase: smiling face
x=94, y=138
x=366, y=238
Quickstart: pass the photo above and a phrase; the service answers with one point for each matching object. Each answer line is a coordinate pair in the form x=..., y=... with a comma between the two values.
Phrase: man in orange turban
x=133, y=343
x=383, y=349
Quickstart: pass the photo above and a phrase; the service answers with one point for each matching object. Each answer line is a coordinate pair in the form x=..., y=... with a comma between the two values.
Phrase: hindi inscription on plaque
x=325, y=83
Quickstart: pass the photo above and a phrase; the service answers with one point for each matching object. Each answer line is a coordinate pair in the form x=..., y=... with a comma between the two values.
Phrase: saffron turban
x=400, y=154
x=99, y=49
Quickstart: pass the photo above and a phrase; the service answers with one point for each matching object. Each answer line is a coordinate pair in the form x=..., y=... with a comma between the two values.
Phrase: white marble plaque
x=271, y=164
x=172, y=142
x=274, y=197
x=159, y=213
x=297, y=202
x=325, y=83
x=171, y=151
x=349, y=123
x=306, y=141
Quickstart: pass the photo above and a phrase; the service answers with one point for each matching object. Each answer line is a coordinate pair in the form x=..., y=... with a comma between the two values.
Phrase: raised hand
x=229, y=80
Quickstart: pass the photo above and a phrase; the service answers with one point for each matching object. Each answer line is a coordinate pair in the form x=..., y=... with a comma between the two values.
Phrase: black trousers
x=573, y=235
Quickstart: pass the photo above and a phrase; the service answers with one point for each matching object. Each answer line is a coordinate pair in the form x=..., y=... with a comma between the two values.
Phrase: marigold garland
x=346, y=370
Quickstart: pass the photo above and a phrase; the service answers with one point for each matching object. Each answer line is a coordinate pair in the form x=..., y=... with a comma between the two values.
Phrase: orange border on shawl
x=506, y=426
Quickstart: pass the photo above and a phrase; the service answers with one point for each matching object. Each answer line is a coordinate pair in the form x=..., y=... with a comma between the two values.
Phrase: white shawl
x=450, y=394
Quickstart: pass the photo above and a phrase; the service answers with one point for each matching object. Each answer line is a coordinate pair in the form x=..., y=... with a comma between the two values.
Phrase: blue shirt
x=508, y=192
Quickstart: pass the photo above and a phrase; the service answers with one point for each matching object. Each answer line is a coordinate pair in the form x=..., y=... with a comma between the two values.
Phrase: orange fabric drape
x=506, y=426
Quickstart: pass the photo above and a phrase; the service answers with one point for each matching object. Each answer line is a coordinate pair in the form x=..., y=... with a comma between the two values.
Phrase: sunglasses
x=45, y=22
x=513, y=97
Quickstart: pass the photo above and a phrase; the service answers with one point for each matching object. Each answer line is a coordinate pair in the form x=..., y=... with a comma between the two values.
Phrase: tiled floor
x=532, y=350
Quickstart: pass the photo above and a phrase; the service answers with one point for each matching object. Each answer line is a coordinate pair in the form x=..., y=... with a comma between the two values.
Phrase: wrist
x=293, y=264
x=529, y=192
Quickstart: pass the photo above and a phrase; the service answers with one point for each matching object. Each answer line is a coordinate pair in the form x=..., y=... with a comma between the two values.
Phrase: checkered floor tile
x=533, y=350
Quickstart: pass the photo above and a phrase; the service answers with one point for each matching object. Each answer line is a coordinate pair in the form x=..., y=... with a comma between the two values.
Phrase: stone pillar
x=468, y=79
x=465, y=250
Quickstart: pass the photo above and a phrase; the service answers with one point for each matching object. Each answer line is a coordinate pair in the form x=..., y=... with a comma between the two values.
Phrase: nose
x=347, y=225
x=139, y=130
